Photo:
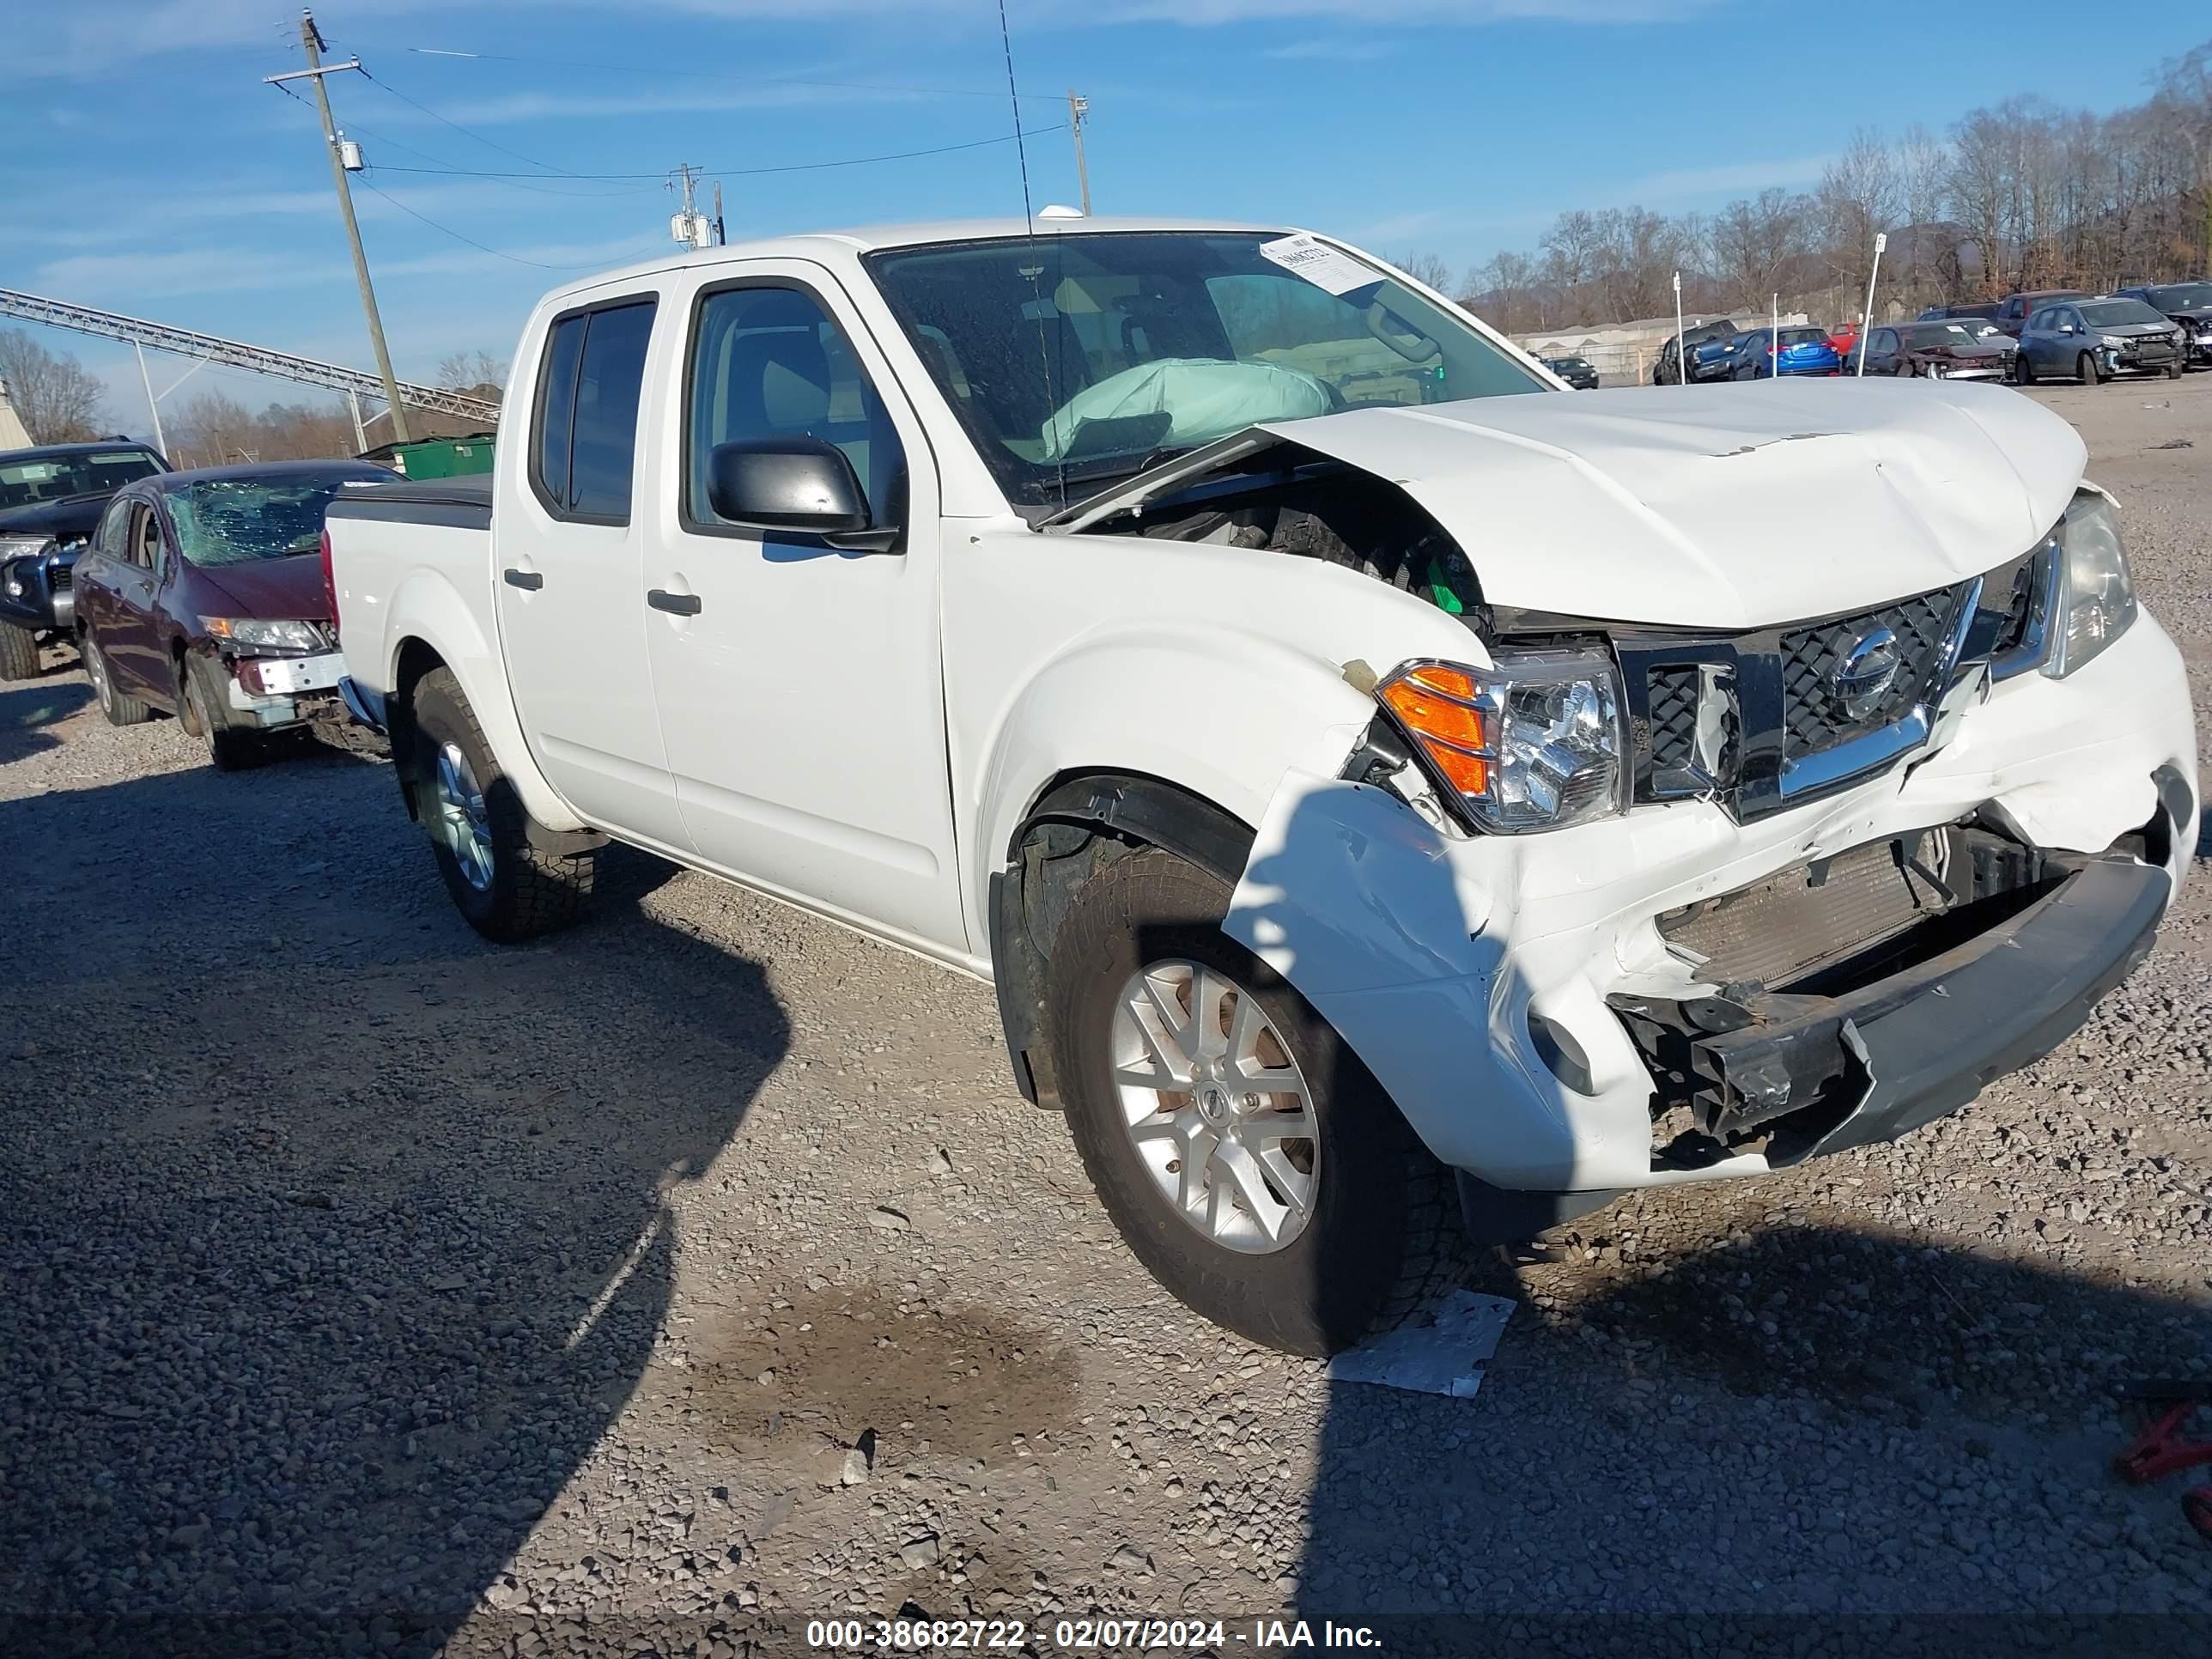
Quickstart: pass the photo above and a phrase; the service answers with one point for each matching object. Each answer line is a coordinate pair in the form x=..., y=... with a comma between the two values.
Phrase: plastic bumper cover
x=1868, y=1065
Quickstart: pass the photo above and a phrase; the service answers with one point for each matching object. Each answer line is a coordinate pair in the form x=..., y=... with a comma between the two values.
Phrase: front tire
x=1317, y=1216
x=19, y=653
x=119, y=709
x=507, y=888
x=2086, y=368
x=228, y=748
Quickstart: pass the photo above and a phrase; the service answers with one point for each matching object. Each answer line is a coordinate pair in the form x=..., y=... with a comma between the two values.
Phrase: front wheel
x=1244, y=1152
x=119, y=709
x=2023, y=371
x=2174, y=370
x=229, y=748
x=507, y=888
x=2086, y=369
x=19, y=653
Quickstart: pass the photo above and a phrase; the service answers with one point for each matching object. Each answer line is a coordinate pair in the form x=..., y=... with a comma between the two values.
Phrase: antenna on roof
x=1047, y=297
x=1014, y=96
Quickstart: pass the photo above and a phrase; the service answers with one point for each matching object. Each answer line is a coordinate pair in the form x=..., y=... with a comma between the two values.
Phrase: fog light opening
x=1559, y=1051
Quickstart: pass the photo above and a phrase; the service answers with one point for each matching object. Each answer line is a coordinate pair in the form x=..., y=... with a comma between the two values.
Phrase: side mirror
x=802, y=484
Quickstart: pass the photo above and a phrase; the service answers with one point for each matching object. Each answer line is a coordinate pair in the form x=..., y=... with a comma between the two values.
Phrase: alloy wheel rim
x=461, y=822
x=1215, y=1106
x=97, y=670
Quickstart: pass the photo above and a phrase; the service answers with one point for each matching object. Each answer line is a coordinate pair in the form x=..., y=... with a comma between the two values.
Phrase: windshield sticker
x=1318, y=264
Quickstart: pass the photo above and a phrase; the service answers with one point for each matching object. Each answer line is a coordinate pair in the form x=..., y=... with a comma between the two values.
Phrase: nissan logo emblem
x=1863, y=674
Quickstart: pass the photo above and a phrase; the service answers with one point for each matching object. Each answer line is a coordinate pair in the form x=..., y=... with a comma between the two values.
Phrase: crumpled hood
x=1723, y=507
x=284, y=589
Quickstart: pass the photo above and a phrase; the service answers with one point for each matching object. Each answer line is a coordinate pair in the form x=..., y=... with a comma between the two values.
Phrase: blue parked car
x=1804, y=351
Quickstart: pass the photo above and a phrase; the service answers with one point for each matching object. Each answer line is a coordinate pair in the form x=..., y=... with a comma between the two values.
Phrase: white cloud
x=1727, y=177
x=126, y=279
x=1331, y=51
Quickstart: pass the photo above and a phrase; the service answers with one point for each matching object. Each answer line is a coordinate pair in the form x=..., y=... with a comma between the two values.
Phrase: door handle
x=675, y=604
x=528, y=580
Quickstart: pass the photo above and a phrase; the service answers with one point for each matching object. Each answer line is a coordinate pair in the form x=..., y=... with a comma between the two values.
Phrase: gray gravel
x=698, y=1274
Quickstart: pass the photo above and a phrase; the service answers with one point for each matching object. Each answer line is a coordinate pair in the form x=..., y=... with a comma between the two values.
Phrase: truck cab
x=1396, y=805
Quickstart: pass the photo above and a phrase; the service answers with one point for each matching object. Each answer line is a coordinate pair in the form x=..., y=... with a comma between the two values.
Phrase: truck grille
x=1758, y=721
x=1815, y=718
x=1673, y=690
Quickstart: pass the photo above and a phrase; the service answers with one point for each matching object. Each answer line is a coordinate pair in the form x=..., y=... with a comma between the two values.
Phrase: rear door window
x=585, y=446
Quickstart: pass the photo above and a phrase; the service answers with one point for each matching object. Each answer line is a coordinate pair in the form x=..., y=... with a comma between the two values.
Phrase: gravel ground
x=697, y=1274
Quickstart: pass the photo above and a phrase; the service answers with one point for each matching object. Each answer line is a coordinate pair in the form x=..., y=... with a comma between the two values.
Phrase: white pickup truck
x=1396, y=801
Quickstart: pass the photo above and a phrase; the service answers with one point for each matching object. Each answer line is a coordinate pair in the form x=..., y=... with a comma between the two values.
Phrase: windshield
x=2182, y=296
x=1073, y=360
x=240, y=520
x=2119, y=313
x=29, y=478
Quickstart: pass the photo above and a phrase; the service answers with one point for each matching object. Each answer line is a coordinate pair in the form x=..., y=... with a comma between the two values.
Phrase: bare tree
x=214, y=430
x=477, y=371
x=1757, y=241
x=1857, y=198
x=56, y=396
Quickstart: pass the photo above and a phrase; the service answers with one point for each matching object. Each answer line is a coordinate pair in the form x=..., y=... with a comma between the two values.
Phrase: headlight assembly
x=2095, y=599
x=1535, y=742
x=16, y=547
x=252, y=631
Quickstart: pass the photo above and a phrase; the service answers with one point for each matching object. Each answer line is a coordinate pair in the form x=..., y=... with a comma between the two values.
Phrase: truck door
x=567, y=555
x=800, y=683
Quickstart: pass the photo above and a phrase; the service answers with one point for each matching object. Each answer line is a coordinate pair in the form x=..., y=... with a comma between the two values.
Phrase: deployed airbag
x=1202, y=398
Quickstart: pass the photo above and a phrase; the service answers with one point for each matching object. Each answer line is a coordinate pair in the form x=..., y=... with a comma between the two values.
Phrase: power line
x=753, y=173
x=584, y=264
x=657, y=70
x=514, y=182
x=466, y=132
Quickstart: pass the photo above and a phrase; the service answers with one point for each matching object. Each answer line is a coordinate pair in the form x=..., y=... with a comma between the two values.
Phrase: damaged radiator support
x=1776, y=952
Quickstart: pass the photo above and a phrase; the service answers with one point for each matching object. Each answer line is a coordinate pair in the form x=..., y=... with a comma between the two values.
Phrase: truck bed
x=463, y=503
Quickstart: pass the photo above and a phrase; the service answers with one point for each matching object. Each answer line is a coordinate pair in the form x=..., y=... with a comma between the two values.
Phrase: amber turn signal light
x=1435, y=706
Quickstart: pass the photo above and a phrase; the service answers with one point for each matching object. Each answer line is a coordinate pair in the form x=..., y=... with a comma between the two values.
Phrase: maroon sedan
x=203, y=596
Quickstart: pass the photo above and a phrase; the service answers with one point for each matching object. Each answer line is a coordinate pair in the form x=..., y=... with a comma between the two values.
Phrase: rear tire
x=119, y=709
x=2086, y=368
x=509, y=890
x=19, y=653
x=1379, y=1233
x=2024, y=369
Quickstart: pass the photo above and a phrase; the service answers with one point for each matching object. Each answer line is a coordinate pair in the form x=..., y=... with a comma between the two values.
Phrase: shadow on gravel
x=1802, y=1420
x=1826, y=1425
x=28, y=709
x=333, y=1237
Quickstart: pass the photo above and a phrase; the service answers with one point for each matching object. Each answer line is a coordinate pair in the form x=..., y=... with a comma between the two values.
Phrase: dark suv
x=50, y=498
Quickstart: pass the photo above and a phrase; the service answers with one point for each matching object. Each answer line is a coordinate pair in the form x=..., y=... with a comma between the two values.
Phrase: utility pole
x=689, y=227
x=1078, y=108
x=311, y=41
x=719, y=238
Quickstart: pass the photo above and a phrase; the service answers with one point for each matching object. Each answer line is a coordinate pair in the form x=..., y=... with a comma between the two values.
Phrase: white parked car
x=1386, y=793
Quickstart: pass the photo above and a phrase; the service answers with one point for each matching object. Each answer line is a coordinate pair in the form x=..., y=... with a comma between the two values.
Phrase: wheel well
x=415, y=660
x=1079, y=824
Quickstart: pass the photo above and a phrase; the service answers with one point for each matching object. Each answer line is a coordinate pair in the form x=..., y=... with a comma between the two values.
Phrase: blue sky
x=149, y=171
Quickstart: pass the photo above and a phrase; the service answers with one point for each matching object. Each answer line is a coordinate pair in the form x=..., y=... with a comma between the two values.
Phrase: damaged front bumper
x=1493, y=985
x=1808, y=1074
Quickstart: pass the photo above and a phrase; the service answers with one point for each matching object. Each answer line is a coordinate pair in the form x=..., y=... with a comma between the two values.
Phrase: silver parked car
x=2092, y=340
